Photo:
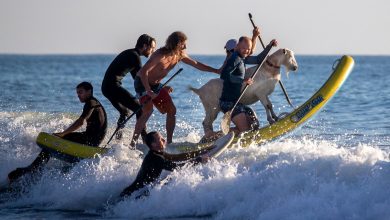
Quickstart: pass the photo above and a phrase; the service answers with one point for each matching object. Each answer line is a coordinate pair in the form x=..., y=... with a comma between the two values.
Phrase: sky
x=308, y=27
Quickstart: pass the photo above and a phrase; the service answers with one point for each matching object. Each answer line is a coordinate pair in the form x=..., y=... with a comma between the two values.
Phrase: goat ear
x=284, y=51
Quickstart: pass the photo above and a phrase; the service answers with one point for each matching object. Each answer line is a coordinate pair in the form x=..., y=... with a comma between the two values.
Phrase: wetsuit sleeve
x=136, y=64
x=259, y=58
x=145, y=175
x=136, y=185
x=170, y=165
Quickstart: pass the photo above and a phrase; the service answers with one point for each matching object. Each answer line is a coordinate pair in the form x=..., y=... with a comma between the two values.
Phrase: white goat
x=263, y=85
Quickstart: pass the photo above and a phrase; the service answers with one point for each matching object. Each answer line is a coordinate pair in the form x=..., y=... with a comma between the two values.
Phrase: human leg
x=42, y=159
x=123, y=101
x=252, y=118
x=170, y=122
x=241, y=118
x=140, y=124
x=241, y=122
x=163, y=102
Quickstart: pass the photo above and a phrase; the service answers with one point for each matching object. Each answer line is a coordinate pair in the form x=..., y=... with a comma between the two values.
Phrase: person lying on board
x=127, y=61
x=233, y=74
x=155, y=162
x=95, y=117
x=147, y=81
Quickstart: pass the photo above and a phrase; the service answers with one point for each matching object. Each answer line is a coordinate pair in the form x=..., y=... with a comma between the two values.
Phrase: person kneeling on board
x=233, y=74
x=155, y=162
x=96, y=118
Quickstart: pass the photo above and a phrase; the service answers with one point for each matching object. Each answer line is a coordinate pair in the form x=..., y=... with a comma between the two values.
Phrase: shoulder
x=234, y=59
x=153, y=158
x=156, y=56
x=93, y=102
x=132, y=53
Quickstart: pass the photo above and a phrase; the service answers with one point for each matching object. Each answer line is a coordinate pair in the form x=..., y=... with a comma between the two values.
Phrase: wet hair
x=149, y=138
x=144, y=39
x=85, y=85
x=172, y=42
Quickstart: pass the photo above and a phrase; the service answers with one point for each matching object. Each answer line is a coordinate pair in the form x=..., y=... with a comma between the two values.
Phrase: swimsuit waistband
x=140, y=89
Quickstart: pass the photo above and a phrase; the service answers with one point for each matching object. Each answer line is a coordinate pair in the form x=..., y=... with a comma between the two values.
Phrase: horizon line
x=110, y=54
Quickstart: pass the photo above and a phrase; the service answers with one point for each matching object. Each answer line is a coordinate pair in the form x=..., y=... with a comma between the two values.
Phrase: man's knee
x=171, y=109
x=240, y=121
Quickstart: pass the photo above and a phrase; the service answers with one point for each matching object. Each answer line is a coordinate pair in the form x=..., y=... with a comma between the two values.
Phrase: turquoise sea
x=336, y=166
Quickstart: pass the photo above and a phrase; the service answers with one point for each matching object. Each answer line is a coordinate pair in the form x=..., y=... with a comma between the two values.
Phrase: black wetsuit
x=151, y=168
x=95, y=115
x=233, y=74
x=127, y=61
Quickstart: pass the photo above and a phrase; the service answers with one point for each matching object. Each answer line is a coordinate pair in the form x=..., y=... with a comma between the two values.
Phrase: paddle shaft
x=246, y=86
x=139, y=109
x=280, y=81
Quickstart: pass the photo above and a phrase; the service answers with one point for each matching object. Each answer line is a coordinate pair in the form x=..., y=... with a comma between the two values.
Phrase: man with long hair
x=147, y=82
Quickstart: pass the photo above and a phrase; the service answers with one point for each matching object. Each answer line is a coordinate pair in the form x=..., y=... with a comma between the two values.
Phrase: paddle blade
x=225, y=123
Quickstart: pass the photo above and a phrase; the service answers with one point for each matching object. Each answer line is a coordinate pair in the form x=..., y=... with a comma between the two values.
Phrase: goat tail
x=195, y=90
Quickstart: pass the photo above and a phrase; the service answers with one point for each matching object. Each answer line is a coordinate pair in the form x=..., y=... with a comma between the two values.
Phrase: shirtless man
x=147, y=81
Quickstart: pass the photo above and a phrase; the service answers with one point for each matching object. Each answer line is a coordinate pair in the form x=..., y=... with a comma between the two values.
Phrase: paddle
x=139, y=109
x=225, y=123
x=280, y=81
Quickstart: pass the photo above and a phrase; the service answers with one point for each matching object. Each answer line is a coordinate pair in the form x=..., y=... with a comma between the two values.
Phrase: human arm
x=135, y=64
x=143, y=73
x=76, y=125
x=200, y=66
x=255, y=34
x=259, y=58
x=136, y=185
x=87, y=112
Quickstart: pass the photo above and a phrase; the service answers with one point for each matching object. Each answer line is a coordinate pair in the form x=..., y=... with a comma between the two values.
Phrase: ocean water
x=336, y=166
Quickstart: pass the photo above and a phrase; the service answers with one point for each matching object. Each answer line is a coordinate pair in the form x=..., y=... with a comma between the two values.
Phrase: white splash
x=295, y=178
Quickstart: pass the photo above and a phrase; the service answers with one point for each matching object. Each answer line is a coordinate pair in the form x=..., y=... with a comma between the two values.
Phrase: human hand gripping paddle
x=139, y=109
x=280, y=81
x=225, y=123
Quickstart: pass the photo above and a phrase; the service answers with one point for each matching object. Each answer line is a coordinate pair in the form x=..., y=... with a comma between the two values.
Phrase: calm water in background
x=334, y=167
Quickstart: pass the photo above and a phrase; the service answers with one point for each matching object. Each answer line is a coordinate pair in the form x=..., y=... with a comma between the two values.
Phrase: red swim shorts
x=162, y=101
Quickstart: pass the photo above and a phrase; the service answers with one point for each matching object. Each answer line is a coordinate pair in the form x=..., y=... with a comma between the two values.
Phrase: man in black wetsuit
x=154, y=163
x=96, y=118
x=127, y=61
